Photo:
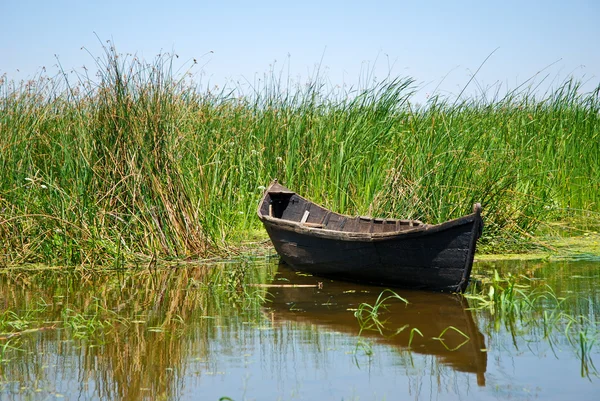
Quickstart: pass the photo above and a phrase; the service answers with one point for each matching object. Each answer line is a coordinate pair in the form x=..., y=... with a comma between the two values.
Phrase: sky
x=439, y=44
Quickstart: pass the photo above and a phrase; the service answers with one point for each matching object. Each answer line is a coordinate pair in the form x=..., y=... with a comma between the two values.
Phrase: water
x=258, y=331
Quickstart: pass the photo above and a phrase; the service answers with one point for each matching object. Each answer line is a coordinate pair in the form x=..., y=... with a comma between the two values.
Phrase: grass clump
x=139, y=162
x=534, y=311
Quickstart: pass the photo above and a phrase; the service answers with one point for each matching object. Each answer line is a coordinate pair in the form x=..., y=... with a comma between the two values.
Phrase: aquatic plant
x=139, y=162
x=369, y=318
x=440, y=338
x=368, y=315
x=528, y=308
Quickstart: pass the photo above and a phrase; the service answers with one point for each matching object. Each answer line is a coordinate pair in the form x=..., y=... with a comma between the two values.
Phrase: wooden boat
x=330, y=305
x=388, y=252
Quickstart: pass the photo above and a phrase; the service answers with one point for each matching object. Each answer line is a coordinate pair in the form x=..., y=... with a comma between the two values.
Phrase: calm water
x=258, y=331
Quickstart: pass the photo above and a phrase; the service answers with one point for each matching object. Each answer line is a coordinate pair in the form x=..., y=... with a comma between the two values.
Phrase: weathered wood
x=318, y=285
x=390, y=252
x=313, y=225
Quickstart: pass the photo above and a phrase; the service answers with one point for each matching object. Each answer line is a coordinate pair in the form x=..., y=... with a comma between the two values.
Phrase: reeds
x=137, y=161
x=535, y=312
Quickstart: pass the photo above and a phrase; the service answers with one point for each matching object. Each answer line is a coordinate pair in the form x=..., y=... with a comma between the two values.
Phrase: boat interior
x=287, y=205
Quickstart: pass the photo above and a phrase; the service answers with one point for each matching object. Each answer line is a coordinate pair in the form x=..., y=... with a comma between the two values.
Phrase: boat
x=331, y=305
x=388, y=252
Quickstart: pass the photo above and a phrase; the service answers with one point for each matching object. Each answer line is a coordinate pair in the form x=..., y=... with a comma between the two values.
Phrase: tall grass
x=138, y=161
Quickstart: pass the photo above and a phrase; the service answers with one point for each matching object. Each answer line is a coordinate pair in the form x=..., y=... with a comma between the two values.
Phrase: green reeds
x=137, y=161
x=534, y=311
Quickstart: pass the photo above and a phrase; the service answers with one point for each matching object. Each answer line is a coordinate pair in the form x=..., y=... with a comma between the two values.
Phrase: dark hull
x=419, y=256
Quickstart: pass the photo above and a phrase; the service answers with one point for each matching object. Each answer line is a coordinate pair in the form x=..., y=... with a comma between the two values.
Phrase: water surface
x=259, y=331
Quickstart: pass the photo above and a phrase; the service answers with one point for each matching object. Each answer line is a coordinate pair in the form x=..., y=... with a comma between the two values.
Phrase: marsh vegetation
x=135, y=162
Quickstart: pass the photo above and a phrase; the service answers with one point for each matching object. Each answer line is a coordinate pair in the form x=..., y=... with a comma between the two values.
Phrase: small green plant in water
x=413, y=331
x=368, y=315
x=507, y=297
x=526, y=307
x=440, y=338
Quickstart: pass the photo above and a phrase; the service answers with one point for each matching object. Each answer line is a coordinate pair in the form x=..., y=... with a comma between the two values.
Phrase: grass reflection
x=127, y=331
x=546, y=304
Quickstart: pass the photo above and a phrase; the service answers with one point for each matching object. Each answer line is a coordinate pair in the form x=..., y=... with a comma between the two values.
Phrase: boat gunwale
x=301, y=228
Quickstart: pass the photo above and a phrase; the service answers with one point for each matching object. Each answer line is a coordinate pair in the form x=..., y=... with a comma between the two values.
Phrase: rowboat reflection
x=332, y=304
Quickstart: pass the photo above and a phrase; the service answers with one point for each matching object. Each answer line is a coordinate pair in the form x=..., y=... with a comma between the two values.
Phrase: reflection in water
x=242, y=330
x=330, y=305
x=114, y=335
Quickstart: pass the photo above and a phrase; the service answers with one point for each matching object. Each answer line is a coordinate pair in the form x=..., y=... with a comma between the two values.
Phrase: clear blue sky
x=426, y=40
